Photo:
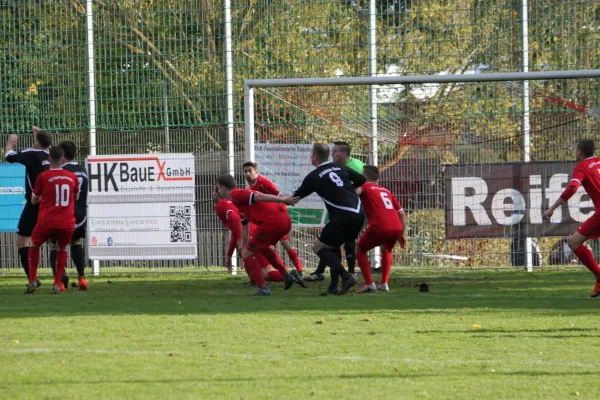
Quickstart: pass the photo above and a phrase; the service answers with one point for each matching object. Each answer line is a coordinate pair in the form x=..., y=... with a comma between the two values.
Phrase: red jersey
x=57, y=188
x=259, y=213
x=587, y=174
x=229, y=216
x=381, y=207
x=263, y=185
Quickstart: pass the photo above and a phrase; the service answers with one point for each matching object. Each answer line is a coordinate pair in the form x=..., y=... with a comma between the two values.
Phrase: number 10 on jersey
x=63, y=193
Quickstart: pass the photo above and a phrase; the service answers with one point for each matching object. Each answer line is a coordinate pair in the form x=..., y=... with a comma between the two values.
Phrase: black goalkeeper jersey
x=35, y=162
x=82, y=177
x=335, y=185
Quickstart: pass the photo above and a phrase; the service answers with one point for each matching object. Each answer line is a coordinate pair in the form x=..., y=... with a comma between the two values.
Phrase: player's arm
x=357, y=179
x=37, y=191
x=10, y=154
x=309, y=185
x=569, y=191
x=234, y=224
x=245, y=232
x=268, y=198
x=402, y=216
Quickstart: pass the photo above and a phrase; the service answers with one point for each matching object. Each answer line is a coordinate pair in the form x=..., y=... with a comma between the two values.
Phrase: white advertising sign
x=287, y=165
x=142, y=207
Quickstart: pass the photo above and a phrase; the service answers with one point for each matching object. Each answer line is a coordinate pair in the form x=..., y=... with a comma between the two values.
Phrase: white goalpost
x=435, y=138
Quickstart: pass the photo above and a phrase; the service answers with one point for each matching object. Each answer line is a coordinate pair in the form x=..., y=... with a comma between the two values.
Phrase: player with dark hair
x=273, y=223
x=229, y=215
x=77, y=252
x=586, y=174
x=261, y=184
x=341, y=156
x=35, y=160
x=333, y=183
x=387, y=223
x=56, y=190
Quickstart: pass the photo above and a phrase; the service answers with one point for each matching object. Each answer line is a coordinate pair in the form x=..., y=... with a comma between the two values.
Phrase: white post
x=249, y=122
x=526, y=126
x=91, y=66
x=166, y=116
x=373, y=156
x=230, y=110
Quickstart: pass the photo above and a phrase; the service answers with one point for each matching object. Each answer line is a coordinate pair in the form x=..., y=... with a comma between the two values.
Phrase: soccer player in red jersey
x=55, y=191
x=586, y=174
x=273, y=223
x=261, y=184
x=387, y=223
x=230, y=217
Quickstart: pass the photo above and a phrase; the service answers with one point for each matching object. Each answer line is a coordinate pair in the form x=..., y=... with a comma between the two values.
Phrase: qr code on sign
x=181, y=224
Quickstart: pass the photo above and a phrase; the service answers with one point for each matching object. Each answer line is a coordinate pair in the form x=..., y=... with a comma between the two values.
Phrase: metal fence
x=162, y=81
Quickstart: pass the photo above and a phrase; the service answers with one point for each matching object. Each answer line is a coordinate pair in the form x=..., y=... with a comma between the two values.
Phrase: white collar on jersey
x=325, y=163
x=71, y=163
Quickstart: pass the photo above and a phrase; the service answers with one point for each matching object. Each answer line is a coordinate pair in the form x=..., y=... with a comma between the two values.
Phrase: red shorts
x=372, y=238
x=41, y=235
x=253, y=230
x=268, y=235
x=591, y=227
x=262, y=261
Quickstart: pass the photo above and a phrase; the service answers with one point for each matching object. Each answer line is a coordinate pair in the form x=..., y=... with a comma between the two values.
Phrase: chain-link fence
x=160, y=78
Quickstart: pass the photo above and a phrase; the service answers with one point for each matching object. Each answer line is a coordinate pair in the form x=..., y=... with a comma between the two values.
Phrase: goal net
x=474, y=164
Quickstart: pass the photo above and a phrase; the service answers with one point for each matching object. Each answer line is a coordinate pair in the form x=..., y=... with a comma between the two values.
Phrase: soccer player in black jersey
x=77, y=251
x=35, y=160
x=335, y=185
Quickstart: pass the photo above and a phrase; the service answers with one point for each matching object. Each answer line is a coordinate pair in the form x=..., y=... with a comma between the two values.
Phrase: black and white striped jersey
x=35, y=162
x=334, y=184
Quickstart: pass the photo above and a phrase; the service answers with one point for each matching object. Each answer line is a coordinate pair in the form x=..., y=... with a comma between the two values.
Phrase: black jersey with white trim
x=334, y=184
x=82, y=177
x=35, y=162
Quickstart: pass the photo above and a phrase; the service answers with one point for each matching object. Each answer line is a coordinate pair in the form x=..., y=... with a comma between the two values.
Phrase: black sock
x=335, y=279
x=329, y=257
x=24, y=258
x=78, y=257
x=350, y=249
x=53, y=261
x=320, y=268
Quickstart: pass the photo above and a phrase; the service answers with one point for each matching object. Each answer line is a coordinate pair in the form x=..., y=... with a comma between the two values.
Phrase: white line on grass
x=316, y=358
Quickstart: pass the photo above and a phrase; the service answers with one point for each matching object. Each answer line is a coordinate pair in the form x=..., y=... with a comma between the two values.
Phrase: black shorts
x=80, y=229
x=28, y=219
x=336, y=233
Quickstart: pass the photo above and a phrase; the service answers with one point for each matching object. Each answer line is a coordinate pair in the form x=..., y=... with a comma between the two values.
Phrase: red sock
x=274, y=259
x=586, y=257
x=61, y=265
x=256, y=271
x=293, y=254
x=249, y=272
x=365, y=266
x=34, y=261
x=275, y=276
x=386, y=265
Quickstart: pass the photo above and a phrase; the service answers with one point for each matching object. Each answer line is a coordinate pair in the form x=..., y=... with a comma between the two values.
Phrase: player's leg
x=350, y=251
x=291, y=252
x=576, y=242
x=289, y=278
x=38, y=237
x=368, y=240
x=325, y=248
x=27, y=222
x=63, y=238
x=255, y=272
x=78, y=254
x=65, y=277
x=386, y=267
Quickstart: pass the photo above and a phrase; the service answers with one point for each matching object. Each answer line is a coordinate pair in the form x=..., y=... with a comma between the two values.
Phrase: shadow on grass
x=193, y=294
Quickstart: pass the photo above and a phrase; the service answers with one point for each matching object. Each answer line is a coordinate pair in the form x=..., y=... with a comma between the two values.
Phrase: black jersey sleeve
x=16, y=157
x=310, y=184
x=357, y=179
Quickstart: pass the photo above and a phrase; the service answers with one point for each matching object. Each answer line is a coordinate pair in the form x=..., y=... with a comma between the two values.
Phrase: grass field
x=484, y=336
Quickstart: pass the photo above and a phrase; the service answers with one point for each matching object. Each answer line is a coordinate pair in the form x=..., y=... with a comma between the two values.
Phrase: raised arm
x=9, y=153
